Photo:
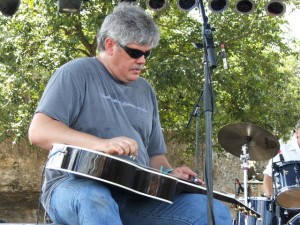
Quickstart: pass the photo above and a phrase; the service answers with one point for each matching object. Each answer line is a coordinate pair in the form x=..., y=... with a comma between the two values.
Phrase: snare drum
x=287, y=178
x=264, y=207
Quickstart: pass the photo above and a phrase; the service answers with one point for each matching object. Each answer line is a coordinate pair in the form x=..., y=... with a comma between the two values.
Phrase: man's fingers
x=122, y=146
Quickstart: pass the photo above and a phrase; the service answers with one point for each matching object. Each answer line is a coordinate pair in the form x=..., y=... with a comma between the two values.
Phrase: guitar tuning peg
x=234, y=206
x=241, y=209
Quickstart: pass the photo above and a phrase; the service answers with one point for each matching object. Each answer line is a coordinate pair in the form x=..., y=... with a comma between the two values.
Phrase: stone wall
x=21, y=167
x=21, y=172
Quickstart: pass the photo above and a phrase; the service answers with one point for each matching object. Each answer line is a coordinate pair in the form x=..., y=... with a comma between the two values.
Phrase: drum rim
x=255, y=197
x=287, y=188
x=287, y=162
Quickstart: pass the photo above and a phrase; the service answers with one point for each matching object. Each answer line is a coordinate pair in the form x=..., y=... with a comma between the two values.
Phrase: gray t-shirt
x=83, y=95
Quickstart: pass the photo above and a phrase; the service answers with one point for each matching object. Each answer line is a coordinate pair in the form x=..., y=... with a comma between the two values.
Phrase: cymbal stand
x=245, y=166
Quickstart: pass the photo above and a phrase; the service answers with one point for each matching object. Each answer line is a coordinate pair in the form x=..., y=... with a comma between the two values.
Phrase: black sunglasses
x=135, y=53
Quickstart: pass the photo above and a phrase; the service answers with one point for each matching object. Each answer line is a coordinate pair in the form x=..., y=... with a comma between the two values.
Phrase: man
x=102, y=104
x=287, y=202
x=288, y=152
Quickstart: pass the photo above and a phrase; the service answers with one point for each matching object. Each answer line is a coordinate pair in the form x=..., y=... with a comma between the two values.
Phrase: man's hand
x=120, y=146
x=186, y=173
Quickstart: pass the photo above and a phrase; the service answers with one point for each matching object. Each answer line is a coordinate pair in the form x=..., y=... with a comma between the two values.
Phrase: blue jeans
x=89, y=202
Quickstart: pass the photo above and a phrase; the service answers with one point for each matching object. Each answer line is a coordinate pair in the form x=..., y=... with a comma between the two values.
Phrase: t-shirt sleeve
x=157, y=144
x=269, y=168
x=62, y=97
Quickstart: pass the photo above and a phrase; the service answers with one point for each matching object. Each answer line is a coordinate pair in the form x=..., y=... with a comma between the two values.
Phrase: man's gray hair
x=129, y=24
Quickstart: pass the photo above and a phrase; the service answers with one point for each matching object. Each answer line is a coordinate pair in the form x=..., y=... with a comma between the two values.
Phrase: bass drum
x=263, y=206
x=285, y=215
x=295, y=220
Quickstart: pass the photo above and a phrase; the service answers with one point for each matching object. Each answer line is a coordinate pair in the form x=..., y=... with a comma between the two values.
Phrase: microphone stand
x=196, y=113
x=209, y=65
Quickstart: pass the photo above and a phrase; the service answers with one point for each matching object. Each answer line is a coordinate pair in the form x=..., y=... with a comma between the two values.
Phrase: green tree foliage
x=261, y=85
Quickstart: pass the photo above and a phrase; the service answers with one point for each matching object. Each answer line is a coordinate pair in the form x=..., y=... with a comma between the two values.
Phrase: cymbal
x=261, y=144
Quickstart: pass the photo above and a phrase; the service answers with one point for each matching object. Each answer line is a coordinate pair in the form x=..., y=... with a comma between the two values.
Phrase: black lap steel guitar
x=127, y=175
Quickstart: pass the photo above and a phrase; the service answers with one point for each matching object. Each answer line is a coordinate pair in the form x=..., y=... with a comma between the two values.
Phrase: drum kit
x=253, y=143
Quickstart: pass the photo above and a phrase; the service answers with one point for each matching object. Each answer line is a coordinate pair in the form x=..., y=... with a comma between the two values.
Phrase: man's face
x=126, y=62
x=297, y=133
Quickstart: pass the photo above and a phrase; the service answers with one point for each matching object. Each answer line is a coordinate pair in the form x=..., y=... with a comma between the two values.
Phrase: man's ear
x=109, y=44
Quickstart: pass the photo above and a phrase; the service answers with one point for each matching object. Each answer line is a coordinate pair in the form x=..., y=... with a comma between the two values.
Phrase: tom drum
x=287, y=183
